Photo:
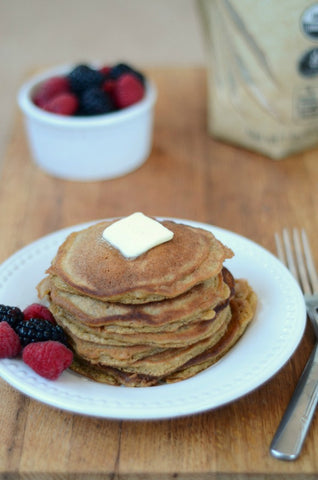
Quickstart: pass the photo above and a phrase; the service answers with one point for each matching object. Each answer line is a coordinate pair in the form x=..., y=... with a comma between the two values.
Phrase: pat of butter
x=136, y=234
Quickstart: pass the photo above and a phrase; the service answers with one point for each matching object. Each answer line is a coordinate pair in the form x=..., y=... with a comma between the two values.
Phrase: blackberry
x=83, y=77
x=121, y=68
x=11, y=315
x=95, y=102
x=39, y=330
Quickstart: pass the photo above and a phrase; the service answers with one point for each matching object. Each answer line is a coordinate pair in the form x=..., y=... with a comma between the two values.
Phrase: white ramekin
x=88, y=148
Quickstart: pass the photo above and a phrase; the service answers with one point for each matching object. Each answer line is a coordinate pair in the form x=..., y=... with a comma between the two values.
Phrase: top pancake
x=89, y=266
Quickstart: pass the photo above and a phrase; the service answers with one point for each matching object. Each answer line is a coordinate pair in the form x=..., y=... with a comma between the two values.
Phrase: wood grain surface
x=188, y=175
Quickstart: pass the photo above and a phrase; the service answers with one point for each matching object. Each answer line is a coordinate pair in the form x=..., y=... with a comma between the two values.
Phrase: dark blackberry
x=11, y=315
x=83, y=77
x=121, y=68
x=39, y=330
x=95, y=102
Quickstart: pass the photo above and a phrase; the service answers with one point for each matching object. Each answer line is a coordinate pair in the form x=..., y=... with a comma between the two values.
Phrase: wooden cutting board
x=188, y=175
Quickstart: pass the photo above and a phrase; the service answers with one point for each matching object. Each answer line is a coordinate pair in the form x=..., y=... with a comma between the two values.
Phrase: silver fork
x=292, y=430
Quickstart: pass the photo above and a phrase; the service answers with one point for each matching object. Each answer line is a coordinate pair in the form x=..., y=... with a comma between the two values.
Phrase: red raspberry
x=36, y=310
x=10, y=344
x=109, y=85
x=48, y=359
x=128, y=90
x=49, y=89
x=105, y=70
x=62, y=104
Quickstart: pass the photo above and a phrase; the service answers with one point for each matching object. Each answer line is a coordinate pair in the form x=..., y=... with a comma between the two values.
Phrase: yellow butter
x=136, y=234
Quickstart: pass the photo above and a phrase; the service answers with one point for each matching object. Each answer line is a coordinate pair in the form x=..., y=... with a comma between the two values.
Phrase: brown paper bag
x=263, y=73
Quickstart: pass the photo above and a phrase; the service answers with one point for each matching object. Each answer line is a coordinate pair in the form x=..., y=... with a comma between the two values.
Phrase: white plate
x=267, y=344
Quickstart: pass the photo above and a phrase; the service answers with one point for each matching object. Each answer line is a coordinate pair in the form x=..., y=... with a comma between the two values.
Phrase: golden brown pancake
x=86, y=264
x=151, y=316
x=159, y=318
x=148, y=359
x=243, y=307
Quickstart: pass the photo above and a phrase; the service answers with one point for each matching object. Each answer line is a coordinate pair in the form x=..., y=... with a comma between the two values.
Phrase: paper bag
x=263, y=73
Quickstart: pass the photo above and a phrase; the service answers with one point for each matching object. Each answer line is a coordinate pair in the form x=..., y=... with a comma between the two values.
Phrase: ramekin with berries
x=89, y=123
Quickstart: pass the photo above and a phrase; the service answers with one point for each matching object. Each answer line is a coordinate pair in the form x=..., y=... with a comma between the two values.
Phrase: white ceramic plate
x=265, y=347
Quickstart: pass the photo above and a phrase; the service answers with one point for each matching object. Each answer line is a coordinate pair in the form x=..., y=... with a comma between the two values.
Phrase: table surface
x=188, y=175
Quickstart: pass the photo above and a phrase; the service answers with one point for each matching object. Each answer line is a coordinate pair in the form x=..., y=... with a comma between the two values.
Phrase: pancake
x=243, y=307
x=159, y=318
x=188, y=333
x=87, y=265
x=151, y=316
x=148, y=359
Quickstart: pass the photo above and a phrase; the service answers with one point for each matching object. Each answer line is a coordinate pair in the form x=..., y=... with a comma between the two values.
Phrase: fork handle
x=312, y=310
x=291, y=433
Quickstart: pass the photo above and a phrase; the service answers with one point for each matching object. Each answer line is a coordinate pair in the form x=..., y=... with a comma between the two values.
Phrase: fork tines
x=295, y=253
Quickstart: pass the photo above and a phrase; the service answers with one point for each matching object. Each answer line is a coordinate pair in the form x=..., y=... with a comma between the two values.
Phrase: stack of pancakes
x=159, y=318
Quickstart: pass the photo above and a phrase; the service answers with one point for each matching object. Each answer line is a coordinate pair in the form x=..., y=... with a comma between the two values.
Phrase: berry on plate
x=39, y=330
x=11, y=315
x=48, y=359
x=37, y=310
x=10, y=344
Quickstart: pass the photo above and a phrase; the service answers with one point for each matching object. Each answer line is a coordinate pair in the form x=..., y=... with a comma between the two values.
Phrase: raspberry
x=128, y=90
x=95, y=102
x=36, y=310
x=109, y=85
x=38, y=330
x=49, y=89
x=62, y=104
x=11, y=315
x=10, y=344
x=83, y=77
x=105, y=70
x=48, y=359
x=121, y=68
